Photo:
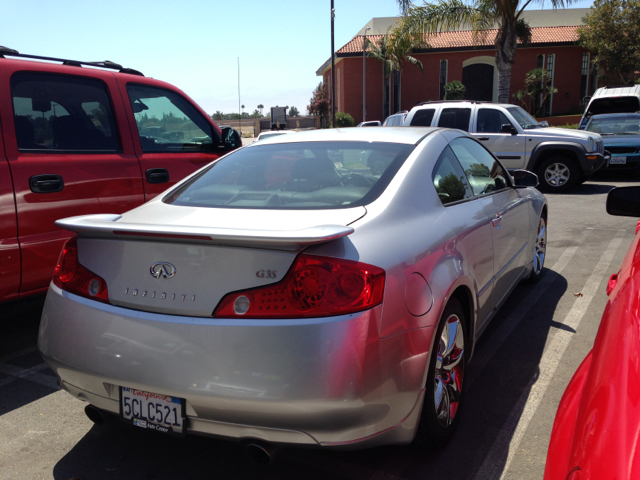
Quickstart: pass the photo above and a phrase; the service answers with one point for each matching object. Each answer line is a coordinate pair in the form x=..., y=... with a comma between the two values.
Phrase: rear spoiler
x=107, y=226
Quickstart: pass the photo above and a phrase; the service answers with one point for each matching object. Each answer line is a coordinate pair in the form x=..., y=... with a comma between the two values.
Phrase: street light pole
x=333, y=72
x=364, y=76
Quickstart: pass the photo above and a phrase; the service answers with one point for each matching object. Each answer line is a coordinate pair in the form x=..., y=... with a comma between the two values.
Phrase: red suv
x=79, y=138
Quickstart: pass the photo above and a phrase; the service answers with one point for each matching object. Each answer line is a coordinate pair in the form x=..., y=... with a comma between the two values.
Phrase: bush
x=454, y=91
x=344, y=120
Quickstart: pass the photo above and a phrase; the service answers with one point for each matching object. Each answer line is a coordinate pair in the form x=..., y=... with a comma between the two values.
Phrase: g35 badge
x=267, y=273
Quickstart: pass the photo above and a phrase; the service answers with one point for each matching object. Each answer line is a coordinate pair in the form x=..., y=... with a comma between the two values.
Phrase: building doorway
x=478, y=78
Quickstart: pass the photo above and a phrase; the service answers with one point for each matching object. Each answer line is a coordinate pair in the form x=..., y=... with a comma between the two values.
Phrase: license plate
x=162, y=413
x=618, y=160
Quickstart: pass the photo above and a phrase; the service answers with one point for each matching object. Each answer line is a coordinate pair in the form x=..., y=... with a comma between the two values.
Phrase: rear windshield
x=614, y=105
x=300, y=176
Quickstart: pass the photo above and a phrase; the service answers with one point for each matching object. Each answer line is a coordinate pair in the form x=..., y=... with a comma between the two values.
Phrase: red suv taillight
x=71, y=276
x=313, y=287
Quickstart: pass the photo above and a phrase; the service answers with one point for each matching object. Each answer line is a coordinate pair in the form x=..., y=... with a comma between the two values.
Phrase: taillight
x=71, y=276
x=313, y=287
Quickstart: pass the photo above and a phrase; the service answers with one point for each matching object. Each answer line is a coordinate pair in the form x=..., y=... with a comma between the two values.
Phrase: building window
x=584, y=80
x=548, y=105
x=443, y=77
x=396, y=91
x=540, y=61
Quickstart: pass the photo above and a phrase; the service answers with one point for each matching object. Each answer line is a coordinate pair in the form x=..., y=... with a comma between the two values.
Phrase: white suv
x=561, y=157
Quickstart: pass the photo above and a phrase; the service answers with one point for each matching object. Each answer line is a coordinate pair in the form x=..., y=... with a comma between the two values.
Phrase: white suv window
x=491, y=120
x=455, y=118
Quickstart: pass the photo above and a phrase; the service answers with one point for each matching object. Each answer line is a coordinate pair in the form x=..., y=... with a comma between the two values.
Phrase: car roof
x=463, y=102
x=406, y=135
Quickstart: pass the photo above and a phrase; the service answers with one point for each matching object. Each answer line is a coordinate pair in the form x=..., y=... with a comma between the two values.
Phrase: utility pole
x=364, y=76
x=333, y=71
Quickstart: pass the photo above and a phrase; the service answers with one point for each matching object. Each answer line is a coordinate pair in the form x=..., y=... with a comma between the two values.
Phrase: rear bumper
x=327, y=381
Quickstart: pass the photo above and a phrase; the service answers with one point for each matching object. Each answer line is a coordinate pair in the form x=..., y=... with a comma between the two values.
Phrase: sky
x=195, y=45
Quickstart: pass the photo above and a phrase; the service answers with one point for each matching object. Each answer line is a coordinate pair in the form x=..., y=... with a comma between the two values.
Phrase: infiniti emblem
x=162, y=268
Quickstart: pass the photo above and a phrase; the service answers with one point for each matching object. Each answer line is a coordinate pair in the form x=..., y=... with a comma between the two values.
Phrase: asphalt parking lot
x=521, y=367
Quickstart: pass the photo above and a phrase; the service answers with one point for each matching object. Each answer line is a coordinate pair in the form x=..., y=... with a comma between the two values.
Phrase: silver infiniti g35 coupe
x=325, y=288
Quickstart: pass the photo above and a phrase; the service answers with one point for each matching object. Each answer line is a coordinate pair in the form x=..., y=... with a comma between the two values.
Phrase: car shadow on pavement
x=23, y=376
x=116, y=450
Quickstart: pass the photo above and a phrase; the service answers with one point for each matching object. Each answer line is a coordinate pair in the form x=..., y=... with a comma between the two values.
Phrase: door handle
x=483, y=139
x=49, y=183
x=157, y=175
x=496, y=221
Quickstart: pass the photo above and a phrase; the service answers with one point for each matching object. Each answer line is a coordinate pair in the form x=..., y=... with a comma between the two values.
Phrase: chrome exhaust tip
x=95, y=415
x=261, y=453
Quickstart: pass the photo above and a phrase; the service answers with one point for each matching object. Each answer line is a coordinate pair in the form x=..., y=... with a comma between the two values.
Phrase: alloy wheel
x=557, y=174
x=449, y=371
x=541, y=247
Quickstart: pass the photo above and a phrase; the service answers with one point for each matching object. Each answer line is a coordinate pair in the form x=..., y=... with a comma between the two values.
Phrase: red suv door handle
x=46, y=183
x=157, y=175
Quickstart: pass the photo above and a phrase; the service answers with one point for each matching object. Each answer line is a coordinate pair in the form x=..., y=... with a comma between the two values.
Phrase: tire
x=540, y=251
x=558, y=174
x=445, y=381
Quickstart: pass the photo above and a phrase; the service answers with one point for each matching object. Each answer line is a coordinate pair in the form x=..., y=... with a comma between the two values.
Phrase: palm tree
x=404, y=6
x=391, y=58
x=479, y=15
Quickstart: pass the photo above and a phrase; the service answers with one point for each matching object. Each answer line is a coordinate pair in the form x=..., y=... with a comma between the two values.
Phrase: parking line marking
x=482, y=358
x=513, y=430
x=31, y=374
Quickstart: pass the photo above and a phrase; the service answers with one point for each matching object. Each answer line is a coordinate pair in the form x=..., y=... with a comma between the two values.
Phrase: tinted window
x=455, y=118
x=484, y=172
x=62, y=113
x=449, y=179
x=168, y=123
x=314, y=175
x=422, y=118
x=491, y=120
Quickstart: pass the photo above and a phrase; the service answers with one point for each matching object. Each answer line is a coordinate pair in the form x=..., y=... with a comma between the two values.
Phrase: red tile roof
x=464, y=39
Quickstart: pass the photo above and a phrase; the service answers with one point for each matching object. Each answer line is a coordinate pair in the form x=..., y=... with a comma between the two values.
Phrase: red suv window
x=56, y=113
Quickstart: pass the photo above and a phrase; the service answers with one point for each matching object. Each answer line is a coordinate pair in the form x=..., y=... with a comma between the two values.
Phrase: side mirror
x=231, y=138
x=508, y=128
x=524, y=178
x=544, y=123
x=624, y=202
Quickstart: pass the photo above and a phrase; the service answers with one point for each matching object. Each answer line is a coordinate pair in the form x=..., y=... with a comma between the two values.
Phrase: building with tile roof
x=459, y=55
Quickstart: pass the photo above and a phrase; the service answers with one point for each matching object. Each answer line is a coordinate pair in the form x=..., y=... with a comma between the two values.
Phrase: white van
x=612, y=100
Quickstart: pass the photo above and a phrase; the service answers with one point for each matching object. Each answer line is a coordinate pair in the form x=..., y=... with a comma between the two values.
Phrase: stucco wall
x=417, y=87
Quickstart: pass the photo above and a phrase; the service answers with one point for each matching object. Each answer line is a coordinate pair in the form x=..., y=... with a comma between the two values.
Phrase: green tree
x=218, y=115
x=454, y=90
x=536, y=91
x=392, y=57
x=260, y=107
x=479, y=16
x=256, y=114
x=293, y=112
x=319, y=103
x=612, y=33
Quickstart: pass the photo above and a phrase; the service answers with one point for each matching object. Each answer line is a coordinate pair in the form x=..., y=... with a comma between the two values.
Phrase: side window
x=422, y=118
x=54, y=113
x=484, y=172
x=168, y=123
x=491, y=120
x=455, y=118
x=449, y=179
